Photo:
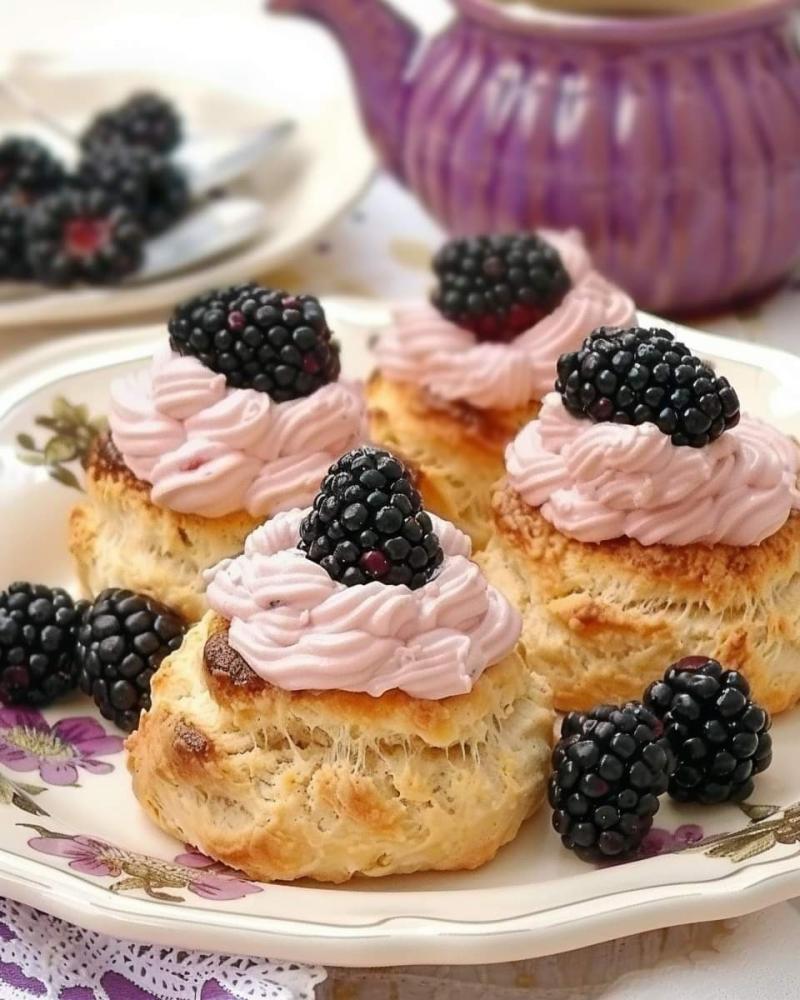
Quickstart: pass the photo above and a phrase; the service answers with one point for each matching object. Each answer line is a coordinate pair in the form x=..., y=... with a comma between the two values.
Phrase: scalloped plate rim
x=407, y=935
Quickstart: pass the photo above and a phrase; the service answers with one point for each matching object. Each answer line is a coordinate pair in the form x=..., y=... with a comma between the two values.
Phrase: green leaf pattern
x=19, y=794
x=73, y=429
x=769, y=826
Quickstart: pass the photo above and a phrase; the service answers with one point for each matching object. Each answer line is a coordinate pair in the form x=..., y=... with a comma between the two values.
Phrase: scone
x=625, y=551
x=322, y=721
x=237, y=418
x=455, y=381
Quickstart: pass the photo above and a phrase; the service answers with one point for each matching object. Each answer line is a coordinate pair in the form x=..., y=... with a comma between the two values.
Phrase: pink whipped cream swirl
x=210, y=450
x=423, y=348
x=300, y=630
x=599, y=481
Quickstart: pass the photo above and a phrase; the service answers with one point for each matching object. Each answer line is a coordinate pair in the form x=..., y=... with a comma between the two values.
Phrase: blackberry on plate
x=498, y=286
x=28, y=170
x=259, y=338
x=367, y=523
x=13, y=242
x=720, y=736
x=609, y=769
x=145, y=119
x=122, y=639
x=639, y=376
x=152, y=188
x=37, y=644
x=82, y=236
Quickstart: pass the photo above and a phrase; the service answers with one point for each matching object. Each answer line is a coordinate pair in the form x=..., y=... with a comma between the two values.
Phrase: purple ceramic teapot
x=673, y=142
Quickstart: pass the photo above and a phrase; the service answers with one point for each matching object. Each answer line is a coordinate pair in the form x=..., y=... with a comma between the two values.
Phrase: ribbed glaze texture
x=679, y=161
x=676, y=150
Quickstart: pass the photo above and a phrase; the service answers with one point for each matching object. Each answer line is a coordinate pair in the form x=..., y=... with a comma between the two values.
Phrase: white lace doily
x=64, y=957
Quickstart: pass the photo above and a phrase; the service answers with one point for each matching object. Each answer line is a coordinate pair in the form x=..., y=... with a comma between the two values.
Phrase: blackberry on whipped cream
x=259, y=338
x=214, y=430
x=442, y=355
x=367, y=523
x=299, y=629
x=598, y=481
x=499, y=285
x=638, y=376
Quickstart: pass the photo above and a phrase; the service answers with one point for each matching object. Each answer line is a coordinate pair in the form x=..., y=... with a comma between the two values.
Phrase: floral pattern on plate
x=72, y=431
x=29, y=743
x=769, y=827
x=20, y=795
x=191, y=870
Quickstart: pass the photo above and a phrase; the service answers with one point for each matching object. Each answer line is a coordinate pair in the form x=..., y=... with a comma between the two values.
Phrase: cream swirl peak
x=211, y=450
x=424, y=348
x=596, y=482
x=301, y=630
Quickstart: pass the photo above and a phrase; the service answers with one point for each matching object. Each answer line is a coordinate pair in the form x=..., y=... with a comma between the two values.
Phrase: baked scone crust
x=118, y=538
x=600, y=621
x=327, y=785
x=456, y=449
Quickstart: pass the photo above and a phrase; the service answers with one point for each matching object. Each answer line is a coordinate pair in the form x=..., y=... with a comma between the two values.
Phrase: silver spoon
x=209, y=231
x=208, y=161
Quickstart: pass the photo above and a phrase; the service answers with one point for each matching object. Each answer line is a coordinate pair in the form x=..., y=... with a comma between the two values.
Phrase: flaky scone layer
x=327, y=785
x=456, y=449
x=118, y=538
x=600, y=621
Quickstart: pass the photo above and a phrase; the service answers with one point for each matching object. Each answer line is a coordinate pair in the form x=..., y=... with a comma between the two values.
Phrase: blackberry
x=82, y=236
x=37, y=644
x=609, y=769
x=154, y=190
x=259, y=339
x=145, y=119
x=639, y=376
x=28, y=170
x=720, y=736
x=13, y=242
x=498, y=286
x=122, y=639
x=367, y=523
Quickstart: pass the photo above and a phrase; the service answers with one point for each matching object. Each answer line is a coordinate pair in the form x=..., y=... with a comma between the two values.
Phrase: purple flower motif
x=191, y=870
x=85, y=854
x=214, y=880
x=28, y=743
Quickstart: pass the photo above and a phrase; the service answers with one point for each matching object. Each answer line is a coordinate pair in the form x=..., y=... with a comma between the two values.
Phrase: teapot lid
x=668, y=20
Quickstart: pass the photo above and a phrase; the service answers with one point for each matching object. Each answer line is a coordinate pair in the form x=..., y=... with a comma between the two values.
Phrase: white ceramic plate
x=308, y=180
x=96, y=860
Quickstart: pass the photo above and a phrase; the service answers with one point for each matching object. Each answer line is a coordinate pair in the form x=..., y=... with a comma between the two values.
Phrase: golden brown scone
x=601, y=621
x=327, y=785
x=456, y=449
x=118, y=538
